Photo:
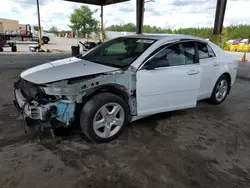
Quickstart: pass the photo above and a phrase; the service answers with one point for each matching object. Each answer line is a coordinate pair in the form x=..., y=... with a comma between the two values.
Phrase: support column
x=217, y=36
x=39, y=24
x=139, y=16
x=102, y=26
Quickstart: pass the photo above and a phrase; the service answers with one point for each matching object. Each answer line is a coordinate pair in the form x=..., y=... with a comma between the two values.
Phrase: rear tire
x=45, y=40
x=104, y=117
x=220, y=91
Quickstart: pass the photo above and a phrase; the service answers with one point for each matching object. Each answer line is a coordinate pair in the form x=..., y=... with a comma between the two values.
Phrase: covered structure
x=218, y=23
x=217, y=36
x=98, y=2
x=101, y=3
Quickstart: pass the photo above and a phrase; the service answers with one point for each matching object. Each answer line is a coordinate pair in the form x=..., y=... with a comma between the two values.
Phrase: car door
x=169, y=80
x=209, y=67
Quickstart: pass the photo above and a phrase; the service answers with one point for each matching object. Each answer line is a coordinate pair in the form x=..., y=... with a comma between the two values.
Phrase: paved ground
x=57, y=44
x=240, y=55
x=244, y=71
x=205, y=147
x=244, y=68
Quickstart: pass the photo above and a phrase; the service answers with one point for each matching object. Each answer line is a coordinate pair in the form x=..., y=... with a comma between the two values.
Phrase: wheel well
x=44, y=37
x=228, y=76
x=111, y=89
x=229, y=79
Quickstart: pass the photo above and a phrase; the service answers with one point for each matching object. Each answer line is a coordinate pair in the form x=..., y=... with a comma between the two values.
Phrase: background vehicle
x=236, y=41
x=124, y=78
x=12, y=30
x=230, y=41
x=243, y=42
x=87, y=45
x=5, y=43
x=26, y=32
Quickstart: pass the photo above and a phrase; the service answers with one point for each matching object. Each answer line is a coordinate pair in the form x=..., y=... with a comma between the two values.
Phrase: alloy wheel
x=108, y=120
x=221, y=90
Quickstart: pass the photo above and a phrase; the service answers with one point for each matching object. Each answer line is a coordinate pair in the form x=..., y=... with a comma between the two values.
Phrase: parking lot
x=57, y=44
x=207, y=146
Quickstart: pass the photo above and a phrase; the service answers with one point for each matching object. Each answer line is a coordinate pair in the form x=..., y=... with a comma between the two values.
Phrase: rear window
x=202, y=51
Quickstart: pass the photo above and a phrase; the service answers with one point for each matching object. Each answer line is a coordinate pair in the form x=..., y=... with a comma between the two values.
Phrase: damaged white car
x=124, y=78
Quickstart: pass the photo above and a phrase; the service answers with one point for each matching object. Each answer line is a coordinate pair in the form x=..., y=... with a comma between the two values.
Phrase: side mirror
x=156, y=63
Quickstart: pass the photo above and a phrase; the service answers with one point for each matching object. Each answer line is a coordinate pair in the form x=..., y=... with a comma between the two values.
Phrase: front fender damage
x=76, y=88
x=67, y=94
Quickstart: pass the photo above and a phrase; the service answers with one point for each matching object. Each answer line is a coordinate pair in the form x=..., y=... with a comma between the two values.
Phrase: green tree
x=129, y=27
x=82, y=21
x=229, y=32
x=53, y=30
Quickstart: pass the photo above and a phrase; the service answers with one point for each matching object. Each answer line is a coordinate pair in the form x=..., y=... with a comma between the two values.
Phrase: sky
x=172, y=14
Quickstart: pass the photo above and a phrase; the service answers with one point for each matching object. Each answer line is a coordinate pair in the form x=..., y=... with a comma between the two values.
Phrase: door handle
x=216, y=63
x=193, y=72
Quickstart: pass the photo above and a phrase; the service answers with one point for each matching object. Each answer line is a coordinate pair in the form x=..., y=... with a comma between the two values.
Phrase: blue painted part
x=65, y=112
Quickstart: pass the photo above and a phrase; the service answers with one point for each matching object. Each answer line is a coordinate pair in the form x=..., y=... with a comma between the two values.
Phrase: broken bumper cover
x=62, y=110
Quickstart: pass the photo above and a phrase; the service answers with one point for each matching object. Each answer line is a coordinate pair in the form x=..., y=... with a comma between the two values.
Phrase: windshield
x=119, y=52
x=36, y=28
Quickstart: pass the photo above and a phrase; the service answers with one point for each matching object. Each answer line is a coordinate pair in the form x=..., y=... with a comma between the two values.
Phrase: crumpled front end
x=61, y=100
x=34, y=104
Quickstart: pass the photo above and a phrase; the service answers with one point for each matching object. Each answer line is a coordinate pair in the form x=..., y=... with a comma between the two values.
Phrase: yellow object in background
x=238, y=48
x=246, y=48
x=232, y=47
x=227, y=48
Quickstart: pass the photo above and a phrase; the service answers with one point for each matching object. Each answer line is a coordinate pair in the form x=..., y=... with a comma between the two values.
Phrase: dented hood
x=64, y=69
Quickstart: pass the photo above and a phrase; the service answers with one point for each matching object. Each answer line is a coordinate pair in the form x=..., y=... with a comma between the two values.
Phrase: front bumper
x=62, y=110
x=27, y=109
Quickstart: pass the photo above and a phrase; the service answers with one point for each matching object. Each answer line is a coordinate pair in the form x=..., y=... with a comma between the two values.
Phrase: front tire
x=220, y=91
x=104, y=117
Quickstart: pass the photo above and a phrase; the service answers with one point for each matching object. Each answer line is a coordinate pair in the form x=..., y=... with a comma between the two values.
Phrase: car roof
x=165, y=37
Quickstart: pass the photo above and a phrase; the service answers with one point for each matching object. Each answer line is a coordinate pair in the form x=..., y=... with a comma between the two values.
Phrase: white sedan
x=122, y=79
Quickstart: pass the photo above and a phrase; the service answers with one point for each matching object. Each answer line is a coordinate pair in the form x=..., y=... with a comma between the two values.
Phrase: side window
x=189, y=52
x=173, y=54
x=156, y=51
x=205, y=51
x=176, y=55
x=202, y=50
x=210, y=51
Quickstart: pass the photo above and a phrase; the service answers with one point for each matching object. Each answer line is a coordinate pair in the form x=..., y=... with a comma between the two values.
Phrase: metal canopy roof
x=98, y=2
